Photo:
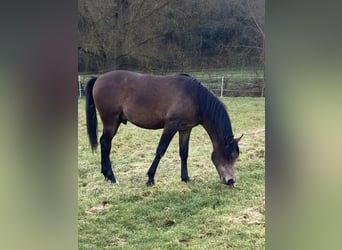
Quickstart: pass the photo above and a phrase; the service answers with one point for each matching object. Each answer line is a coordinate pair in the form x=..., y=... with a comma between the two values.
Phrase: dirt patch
x=117, y=242
x=249, y=216
x=253, y=215
x=98, y=208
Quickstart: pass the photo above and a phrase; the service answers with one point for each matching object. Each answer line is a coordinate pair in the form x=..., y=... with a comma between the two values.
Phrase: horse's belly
x=148, y=125
x=146, y=120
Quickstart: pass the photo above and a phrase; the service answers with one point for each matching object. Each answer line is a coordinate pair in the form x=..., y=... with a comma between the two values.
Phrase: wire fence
x=222, y=83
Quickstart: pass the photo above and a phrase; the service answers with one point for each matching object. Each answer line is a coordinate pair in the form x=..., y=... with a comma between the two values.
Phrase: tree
x=169, y=34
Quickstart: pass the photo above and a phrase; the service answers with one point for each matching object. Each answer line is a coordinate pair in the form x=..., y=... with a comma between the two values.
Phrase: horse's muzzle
x=230, y=182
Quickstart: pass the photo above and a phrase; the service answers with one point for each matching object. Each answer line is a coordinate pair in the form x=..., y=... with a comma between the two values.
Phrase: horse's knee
x=103, y=140
x=183, y=153
x=160, y=152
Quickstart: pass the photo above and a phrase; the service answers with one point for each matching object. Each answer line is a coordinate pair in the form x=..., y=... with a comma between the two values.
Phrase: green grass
x=202, y=214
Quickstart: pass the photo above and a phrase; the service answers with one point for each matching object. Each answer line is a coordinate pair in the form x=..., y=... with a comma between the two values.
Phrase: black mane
x=185, y=74
x=213, y=110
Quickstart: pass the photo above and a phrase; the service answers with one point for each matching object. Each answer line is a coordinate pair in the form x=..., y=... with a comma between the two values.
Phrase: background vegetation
x=202, y=214
x=170, y=34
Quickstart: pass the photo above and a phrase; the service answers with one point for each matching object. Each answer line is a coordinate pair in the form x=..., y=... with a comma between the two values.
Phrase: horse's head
x=224, y=160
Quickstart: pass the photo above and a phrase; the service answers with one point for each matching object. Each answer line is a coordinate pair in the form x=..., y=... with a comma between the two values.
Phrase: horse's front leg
x=164, y=142
x=184, y=137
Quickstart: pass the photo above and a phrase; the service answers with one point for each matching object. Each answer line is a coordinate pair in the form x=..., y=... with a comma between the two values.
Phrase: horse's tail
x=91, y=114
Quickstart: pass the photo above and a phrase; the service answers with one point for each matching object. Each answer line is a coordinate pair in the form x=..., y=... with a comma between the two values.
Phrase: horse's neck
x=214, y=117
x=216, y=136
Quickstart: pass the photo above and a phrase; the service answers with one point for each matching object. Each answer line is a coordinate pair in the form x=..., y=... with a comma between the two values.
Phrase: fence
x=221, y=83
x=81, y=91
x=229, y=86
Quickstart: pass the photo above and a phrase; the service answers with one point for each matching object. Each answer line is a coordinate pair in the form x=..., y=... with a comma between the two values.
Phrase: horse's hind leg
x=106, y=144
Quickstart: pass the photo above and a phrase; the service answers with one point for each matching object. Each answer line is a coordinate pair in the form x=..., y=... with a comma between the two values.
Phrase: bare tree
x=152, y=34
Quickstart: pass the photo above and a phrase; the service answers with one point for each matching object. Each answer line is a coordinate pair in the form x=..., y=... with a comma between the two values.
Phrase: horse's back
x=146, y=100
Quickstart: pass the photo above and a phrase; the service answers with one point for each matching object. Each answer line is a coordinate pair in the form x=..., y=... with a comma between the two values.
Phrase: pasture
x=202, y=214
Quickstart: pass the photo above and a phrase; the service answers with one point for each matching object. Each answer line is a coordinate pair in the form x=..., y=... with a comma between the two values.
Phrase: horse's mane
x=185, y=74
x=213, y=110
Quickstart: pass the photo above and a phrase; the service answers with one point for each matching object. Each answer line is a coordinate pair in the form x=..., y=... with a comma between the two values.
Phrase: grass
x=202, y=214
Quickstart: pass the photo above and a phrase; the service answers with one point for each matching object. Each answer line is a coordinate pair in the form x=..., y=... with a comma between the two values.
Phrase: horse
x=173, y=103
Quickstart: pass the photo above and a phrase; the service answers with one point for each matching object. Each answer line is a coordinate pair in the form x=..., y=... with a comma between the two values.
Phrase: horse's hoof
x=111, y=179
x=150, y=183
x=186, y=179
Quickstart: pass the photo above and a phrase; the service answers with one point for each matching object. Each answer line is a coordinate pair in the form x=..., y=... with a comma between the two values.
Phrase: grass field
x=202, y=214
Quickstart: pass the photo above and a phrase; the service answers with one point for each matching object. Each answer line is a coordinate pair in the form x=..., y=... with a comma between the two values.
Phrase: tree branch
x=254, y=20
x=151, y=38
x=150, y=13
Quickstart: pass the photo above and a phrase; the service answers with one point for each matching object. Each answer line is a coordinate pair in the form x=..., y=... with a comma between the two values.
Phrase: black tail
x=91, y=114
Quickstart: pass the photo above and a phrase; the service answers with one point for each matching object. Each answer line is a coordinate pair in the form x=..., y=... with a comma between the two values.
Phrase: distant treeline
x=169, y=34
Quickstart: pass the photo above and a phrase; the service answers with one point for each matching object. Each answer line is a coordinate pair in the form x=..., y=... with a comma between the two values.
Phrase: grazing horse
x=173, y=103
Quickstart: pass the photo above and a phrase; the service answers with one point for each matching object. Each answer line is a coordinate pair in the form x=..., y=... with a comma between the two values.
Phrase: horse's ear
x=238, y=139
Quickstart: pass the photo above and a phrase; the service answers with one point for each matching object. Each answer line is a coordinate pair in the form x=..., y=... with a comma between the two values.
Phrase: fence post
x=222, y=86
x=79, y=86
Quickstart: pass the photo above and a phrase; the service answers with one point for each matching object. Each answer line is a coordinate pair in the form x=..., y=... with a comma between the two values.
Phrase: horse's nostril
x=230, y=182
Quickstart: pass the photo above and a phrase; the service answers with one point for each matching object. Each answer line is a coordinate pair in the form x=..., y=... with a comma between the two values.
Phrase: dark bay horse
x=175, y=103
